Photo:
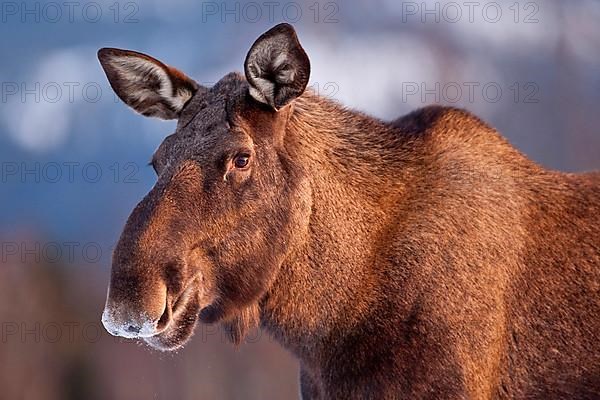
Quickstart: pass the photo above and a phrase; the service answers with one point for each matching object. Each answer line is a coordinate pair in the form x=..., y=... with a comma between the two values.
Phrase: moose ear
x=276, y=67
x=146, y=84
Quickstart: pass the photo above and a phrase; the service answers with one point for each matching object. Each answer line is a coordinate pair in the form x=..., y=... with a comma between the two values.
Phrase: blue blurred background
x=74, y=159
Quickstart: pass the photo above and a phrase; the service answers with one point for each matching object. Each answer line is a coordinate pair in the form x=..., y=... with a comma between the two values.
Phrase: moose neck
x=358, y=168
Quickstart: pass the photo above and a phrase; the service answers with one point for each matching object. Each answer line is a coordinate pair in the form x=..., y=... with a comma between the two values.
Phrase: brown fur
x=420, y=259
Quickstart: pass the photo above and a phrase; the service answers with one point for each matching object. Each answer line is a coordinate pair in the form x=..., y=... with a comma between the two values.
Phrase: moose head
x=230, y=200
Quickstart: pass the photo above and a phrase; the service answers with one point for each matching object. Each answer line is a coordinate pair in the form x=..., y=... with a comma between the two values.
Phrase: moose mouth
x=177, y=324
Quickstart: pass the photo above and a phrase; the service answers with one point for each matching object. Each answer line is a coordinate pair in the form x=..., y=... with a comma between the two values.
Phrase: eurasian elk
x=424, y=258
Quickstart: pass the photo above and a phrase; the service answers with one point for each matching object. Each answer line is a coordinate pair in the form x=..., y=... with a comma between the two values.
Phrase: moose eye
x=241, y=161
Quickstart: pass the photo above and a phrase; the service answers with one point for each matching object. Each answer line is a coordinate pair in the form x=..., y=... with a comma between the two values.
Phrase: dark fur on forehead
x=225, y=97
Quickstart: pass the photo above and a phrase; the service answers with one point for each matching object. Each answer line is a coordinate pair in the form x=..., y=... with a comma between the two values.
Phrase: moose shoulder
x=424, y=258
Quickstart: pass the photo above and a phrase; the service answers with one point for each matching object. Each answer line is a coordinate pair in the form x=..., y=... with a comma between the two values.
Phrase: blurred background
x=73, y=159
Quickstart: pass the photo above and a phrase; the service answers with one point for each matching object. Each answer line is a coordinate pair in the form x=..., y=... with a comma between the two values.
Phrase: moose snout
x=132, y=326
x=147, y=270
x=136, y=318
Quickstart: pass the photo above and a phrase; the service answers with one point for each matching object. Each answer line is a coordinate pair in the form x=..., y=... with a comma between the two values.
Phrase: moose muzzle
x=145, y=316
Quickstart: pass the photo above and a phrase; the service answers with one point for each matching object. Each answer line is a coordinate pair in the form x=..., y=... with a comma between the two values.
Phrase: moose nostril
x=164, y=319
x=133, y=329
